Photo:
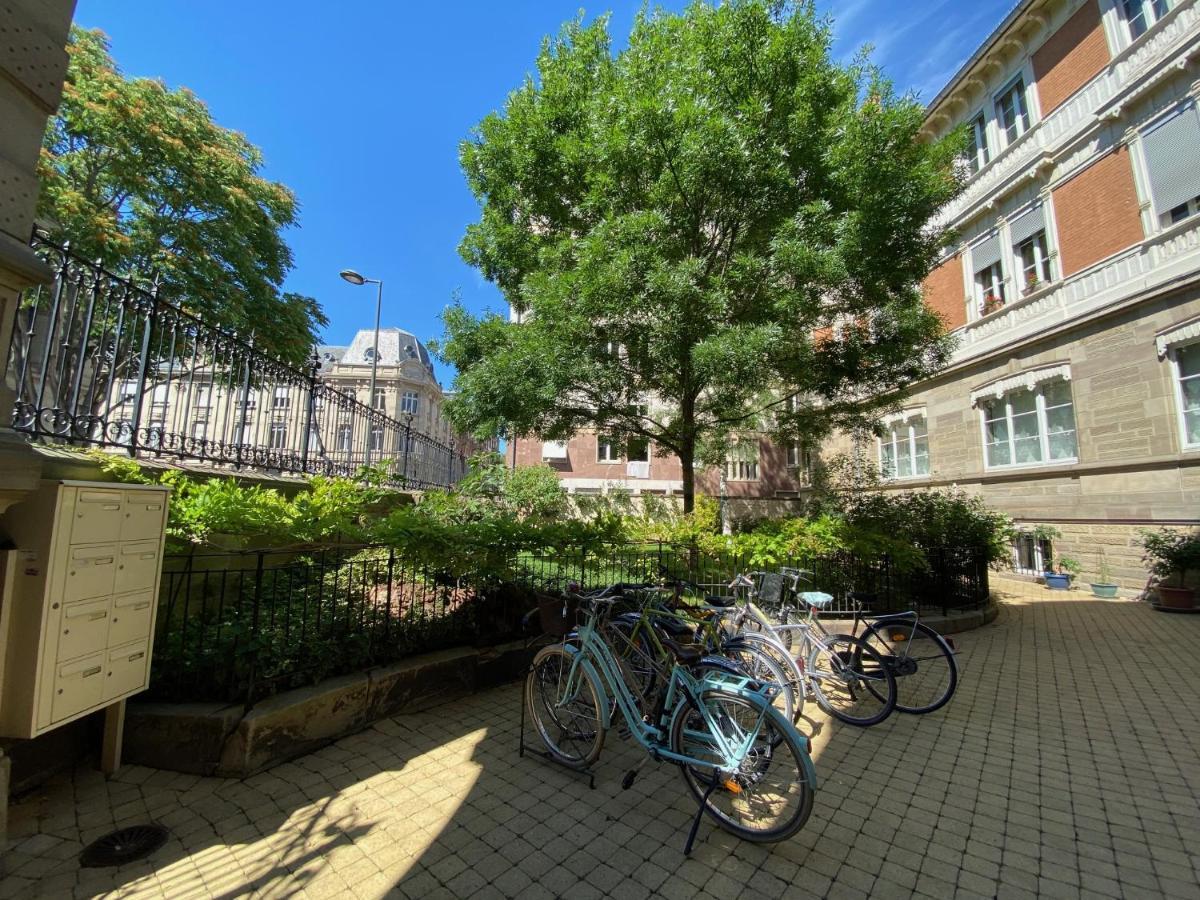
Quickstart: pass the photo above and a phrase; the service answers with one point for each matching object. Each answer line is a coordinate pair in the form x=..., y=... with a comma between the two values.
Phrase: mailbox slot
x=97, y=517
x=131, y=617
x=77, y=686
x=83, y=628
x=126, y=670
x=143, y=516
x=137, y=565
x=90, y=571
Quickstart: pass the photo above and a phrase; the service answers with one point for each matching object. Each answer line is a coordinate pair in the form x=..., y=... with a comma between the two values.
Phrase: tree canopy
x=142, y=178
x=720, y=229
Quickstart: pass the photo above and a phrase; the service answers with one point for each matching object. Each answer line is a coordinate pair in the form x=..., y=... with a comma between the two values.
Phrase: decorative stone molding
x=1024, y=381
x=1165, y=340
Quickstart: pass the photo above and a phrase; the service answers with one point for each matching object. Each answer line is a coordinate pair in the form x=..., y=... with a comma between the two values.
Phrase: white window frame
x=282, y=398
x=379, y=400
x=607, y=451
x=904, y=430
x=742, y=462
x=204, y=396
x=1040, y=409
x=990, y=279
x=1043, y=261
x=1146, y=10
x=200, y=430
x=1043, y=554
x=1025, y=107
x=375, y=438
x=410, y=402
x=1177, y=382
x=978, y=125
x=277, y=436
x=345, y=437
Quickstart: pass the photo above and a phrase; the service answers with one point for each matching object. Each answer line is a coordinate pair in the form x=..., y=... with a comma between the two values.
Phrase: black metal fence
x=97, y=359
x=236, y=627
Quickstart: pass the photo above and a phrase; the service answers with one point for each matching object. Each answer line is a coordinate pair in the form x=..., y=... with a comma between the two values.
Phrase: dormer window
x=1141, y=14
x=369, y=354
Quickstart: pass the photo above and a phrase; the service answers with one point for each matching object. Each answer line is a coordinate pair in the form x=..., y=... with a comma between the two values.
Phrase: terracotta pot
x=1176, y=597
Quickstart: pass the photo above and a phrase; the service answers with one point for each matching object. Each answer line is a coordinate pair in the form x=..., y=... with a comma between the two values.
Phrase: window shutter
x=1026, y=226
x=1172, y=149
x=986, y=253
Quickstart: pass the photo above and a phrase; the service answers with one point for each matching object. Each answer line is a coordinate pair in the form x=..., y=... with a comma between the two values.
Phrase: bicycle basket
x=557, y=614
x=771, y=588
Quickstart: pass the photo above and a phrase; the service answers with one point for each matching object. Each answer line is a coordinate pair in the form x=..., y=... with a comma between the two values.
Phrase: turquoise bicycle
x=742, y=760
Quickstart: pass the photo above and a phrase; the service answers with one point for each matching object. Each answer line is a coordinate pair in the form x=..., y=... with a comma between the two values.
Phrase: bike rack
x=587, y=773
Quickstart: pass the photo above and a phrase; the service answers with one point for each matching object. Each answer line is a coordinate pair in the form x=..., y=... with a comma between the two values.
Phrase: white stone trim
x=1024, y=381
x=1176, y=335
x=904, y=416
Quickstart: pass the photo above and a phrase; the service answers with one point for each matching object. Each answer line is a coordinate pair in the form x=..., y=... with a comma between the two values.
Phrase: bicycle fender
x=725, y=665
x=605, y=701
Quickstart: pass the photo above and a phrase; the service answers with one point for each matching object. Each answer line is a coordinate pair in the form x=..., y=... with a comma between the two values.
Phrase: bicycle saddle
x=819, y=599
x=674, y=627
x=685, y=654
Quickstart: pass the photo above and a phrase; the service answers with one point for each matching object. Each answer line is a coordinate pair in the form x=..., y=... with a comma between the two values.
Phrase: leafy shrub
x=1170, y=553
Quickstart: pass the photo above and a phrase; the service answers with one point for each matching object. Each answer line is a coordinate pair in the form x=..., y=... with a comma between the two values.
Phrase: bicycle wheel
x=771, y=646
x=851, y=681
x=920, y=658
x=565, y=708
x=760, y=665
x=769, y=797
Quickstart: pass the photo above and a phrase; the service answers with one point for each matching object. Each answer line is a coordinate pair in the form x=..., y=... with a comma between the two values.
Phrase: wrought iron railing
x=98, y=359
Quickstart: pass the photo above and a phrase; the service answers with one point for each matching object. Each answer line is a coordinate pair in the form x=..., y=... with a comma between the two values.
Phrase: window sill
x=906, y=478
x=1042, y=291
x=1020, y=467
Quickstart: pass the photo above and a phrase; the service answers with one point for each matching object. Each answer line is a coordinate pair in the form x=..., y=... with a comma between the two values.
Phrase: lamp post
x=408, y=417
x=450, y=464
x=354, y=278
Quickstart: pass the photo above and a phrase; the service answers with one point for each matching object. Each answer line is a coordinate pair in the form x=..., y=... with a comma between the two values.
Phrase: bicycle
x=638, y=639
x=848, y=678
x=744, y=763
x=923, y=662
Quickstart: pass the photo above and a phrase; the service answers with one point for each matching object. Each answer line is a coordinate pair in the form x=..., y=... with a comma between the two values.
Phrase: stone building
x=1073, y=399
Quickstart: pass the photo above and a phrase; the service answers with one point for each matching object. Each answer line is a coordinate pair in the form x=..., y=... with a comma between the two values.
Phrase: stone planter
x=1107, y=591
x=1176, y=597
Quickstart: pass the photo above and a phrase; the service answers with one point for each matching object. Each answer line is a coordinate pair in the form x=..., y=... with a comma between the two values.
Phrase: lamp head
x=353, y=277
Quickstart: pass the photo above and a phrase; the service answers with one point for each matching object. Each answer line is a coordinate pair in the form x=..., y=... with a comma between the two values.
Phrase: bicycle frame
x=593, y=654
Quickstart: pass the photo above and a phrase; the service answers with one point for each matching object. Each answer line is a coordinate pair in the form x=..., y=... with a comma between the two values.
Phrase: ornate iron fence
x=97, y=359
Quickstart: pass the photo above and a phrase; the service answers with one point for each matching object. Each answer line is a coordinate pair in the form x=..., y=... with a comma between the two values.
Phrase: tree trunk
x=687, y=460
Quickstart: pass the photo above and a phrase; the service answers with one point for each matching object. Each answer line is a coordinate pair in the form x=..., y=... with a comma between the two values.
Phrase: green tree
x=142, y=178
x=720, y=229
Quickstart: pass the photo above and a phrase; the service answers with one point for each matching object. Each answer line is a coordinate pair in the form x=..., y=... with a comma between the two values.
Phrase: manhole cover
x=123, y=845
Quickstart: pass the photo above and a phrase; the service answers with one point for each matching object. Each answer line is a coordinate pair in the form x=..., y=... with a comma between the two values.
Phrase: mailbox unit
x=77, y=628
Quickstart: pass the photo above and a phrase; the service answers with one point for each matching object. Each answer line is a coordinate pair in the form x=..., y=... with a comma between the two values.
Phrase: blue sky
x=360, y=112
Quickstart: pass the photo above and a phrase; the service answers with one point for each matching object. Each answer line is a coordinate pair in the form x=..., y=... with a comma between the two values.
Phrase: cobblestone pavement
x=1066, y=766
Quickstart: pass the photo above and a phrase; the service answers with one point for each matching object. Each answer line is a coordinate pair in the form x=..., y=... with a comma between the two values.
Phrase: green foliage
x=143, y=178
x=492, y=490
x=1068, y=565
x=1171, y=553
x=712, y=199
x=220, y=510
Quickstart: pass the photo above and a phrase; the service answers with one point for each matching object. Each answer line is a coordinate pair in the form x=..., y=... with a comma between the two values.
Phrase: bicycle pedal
x=628, y=779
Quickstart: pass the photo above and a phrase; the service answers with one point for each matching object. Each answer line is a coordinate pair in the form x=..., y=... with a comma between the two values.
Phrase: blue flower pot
x=1057, y=582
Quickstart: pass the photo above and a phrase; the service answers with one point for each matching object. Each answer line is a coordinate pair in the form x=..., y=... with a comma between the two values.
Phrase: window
x=278, y=435
x=159, y=396
x=1170, y=148
x=799, y=458
x=904, y=449
x=282, y=398
x=1012, y=113
x=203, y=396
x=376, y=443
x=978, y=154
x=1031, y=554
x=199, y=430
x=989, y=288
x=1035, y=262
x=606, y=451
x=128, y=391
x=345, y=437
x=379, y=401
x=1141, y=14
x=1029, y=426
x=742, y=462
x=1187, y=367
x=638, y=450
x=410, y=402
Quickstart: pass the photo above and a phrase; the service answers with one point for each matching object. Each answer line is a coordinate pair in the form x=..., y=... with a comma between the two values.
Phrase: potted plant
x=1103, y=585
x=1031, y=285
x=992, y=302
x=1064, y=571
x=1170, y=555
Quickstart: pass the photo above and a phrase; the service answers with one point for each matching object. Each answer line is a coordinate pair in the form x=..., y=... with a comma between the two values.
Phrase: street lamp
x=354, y=278
x=408, y=418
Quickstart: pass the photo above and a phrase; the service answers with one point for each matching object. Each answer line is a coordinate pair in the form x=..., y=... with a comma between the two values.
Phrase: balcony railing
x=98, y=360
